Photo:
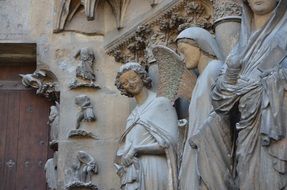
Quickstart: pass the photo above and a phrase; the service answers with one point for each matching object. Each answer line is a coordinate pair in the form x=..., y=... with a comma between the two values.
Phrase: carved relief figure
x=87, y=112
x=85, y=72
x=54, y=124
x=146, y=158
x=252, y=91
x=51, y=172
x=80, y=174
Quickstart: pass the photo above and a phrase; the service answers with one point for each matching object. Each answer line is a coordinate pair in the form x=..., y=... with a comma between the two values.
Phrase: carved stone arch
x=119, y=8
x=69, y=12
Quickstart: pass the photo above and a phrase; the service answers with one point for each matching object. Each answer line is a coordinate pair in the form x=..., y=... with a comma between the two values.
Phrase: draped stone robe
x=200, y=110
x=260, y=96
x=155, y=121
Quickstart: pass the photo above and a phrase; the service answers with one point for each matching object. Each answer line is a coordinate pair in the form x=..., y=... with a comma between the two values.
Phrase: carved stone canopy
x=78, y=15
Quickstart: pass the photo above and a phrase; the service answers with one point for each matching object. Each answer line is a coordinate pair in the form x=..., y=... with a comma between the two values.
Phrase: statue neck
x=142, y=96
x=203, y=61
x=260, y=20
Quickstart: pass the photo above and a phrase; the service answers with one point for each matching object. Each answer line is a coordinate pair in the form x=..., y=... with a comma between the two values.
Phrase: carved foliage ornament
x=226, y=8
x=44, y=81
x=163, y=30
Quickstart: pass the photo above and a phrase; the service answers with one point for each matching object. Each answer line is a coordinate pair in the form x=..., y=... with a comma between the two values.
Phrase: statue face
x=131, y=82
x=191, y=54
x=262, y=7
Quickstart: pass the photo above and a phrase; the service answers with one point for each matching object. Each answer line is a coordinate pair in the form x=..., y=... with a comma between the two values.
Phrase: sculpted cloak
x=155, y=121
x=260, y=97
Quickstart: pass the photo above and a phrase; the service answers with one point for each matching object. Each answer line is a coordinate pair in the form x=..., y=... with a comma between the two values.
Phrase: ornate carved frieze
x=79, y=175
x=44, y=81
x=162, y=30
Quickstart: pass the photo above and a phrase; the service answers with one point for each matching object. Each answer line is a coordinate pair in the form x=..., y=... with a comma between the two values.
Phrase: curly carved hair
x=138, y=69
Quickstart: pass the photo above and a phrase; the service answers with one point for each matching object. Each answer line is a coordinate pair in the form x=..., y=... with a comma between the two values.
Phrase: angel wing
x=175, y=80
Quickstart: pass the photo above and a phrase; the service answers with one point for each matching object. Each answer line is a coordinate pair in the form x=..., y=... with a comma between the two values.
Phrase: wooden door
x=23, y=137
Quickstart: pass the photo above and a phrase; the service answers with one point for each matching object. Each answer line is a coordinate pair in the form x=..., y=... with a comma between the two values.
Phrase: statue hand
x=128, y=158
x=234, y=63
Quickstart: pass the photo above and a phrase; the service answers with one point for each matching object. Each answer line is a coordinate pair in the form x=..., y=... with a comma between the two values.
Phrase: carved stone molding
x=44, y=81
x=162, y=29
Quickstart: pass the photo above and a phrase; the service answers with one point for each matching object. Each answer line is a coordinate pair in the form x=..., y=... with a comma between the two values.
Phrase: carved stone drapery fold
x=119, y=8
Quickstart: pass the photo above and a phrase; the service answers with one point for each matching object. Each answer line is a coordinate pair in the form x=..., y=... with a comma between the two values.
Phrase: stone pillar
x=227, y=18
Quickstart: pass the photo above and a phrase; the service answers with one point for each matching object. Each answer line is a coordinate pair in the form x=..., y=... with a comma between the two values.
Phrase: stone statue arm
x=149, y=149
x=154, y=149
x=223, y=96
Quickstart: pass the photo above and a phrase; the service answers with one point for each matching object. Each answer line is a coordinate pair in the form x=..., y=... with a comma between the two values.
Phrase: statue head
x=195, y=41
x=262, y=7
x=131, y=79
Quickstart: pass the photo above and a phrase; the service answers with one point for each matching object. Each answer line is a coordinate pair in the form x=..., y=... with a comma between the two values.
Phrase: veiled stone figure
x=254, y=84
x=146, y=158
x=200, y=51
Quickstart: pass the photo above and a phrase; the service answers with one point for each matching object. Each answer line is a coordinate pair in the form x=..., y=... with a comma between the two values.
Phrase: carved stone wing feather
x=174, y=78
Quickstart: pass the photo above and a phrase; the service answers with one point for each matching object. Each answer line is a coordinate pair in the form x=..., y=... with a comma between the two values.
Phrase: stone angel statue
x=198, y=50
x=146, y=157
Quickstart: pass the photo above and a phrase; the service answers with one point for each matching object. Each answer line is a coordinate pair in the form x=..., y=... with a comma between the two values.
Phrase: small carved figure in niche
x=51, y=172
x=85, y=72
x=81, y=172
x=146, y=157
x=54, y=118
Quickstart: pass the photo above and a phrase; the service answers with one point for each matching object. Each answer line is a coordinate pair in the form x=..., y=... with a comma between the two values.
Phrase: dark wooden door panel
x=26, y=145
x=3, y=128
x=12, y=129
